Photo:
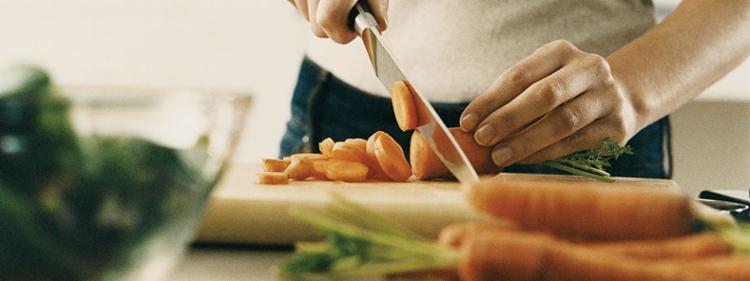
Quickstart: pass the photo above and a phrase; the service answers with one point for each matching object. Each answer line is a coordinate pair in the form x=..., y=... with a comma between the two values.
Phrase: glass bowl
x=117, y=186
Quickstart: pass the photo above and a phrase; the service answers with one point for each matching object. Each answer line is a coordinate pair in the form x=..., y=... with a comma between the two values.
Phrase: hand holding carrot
x=557, y=101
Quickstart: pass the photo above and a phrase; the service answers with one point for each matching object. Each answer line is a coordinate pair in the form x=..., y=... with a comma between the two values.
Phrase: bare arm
x=560, y=99
x=690, y=50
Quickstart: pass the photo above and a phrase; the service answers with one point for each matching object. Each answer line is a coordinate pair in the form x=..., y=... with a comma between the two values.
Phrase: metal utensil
x=430, y=125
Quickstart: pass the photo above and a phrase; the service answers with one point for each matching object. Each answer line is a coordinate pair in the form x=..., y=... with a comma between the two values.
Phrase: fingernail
x=502, y=155
x=469, y=122
x=485, y=134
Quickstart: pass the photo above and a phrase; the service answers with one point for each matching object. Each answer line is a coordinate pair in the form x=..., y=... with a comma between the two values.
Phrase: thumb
x=380, y=11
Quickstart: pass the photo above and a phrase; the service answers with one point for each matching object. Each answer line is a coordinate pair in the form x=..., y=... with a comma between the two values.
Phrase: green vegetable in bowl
x=73, y=207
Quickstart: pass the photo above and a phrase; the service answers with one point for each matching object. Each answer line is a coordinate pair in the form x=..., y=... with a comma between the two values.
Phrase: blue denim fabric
x=324, y=106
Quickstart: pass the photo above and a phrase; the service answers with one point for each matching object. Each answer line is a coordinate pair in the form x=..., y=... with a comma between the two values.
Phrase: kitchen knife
x=430, y=125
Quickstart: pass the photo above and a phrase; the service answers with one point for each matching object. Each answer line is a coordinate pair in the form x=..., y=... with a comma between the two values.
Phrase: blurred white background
x=255, y=46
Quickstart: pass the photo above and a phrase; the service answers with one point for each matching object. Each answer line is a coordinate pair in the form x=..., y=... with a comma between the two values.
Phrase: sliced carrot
x=319, y=170
x=586, y=212
x=391, y=158
x=403, y=106
x=347, y=171
x=273, y=178
x=370, y=147
x=342, y=152
x=326, y=147
x=299, y=168
x=426, y=164
x=309, y=156
x=275, y=165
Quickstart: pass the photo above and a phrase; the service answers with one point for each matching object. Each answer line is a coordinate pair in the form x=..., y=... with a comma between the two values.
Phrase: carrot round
x=273, y=178
x=376, y=172
x=426, y=164
x=326, y=146
x=309, y=156
x=585, y=212
x=403, y=106
x=347, y=171
x=391, y=158
x=299, y=168
x=525, y=256
x=318, y=171
x=275, y=165
x=342, y=152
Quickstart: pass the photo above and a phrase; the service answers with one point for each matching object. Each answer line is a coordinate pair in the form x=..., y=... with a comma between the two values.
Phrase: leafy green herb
x=360, y=243
x=591, y=163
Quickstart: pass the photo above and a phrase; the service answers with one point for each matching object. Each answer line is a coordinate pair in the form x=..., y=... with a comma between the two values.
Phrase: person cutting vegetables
x=534, y=80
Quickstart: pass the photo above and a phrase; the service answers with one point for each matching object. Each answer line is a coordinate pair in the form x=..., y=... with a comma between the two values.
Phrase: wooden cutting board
x=242, y=211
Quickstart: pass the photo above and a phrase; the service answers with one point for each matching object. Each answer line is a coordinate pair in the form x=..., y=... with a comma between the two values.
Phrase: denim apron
x=323, y=106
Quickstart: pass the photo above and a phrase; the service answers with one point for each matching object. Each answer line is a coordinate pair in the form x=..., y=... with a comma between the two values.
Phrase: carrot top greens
x=591, y=163
x=360, y=243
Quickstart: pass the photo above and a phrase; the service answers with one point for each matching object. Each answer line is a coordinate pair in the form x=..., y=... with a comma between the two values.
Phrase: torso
x=453, y=50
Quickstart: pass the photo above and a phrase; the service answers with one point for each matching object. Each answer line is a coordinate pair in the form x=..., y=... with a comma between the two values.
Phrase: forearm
x=679, y=58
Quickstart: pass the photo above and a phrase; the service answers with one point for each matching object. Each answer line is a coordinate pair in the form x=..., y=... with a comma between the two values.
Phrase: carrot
x=684, y=247
x=275, y=165
x=299, y=168
x=391, y=158
x=586, y=212
x=318, y=171
x=341, y=151
x=525, y=256
x=346, y=171
x=326, y=146
x=273, y=178
x=376, y=172
x=403, y=106
x=426, y=165
x=309, y=156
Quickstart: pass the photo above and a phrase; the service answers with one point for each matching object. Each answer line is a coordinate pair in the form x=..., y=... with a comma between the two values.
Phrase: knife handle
x=360, y=18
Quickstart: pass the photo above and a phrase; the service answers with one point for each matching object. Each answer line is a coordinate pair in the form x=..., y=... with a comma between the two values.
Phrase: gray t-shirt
x=453, y=49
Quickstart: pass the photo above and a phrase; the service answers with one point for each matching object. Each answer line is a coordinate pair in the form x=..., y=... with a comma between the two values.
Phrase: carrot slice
x=391, y=158
x=403, y=106
x=309, y=156
x=319, y=170
x=275, y=165
x=299, y=168
x=343, y=152
x=273, y=178
x=347, y=171
x=326, y=147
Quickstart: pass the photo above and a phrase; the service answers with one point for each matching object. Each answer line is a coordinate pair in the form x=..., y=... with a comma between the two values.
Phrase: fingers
x=312, y=7
x=555, y=126
x=380, y=11
x=512, y=82
x=539, y=99
x=587, y=138
x=301, y=5
x=332, y=17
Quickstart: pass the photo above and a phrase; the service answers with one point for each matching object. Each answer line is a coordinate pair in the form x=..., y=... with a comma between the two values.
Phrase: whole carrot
x=686, y=247
x=586, y=212
x=426, y=165
x=524, y=256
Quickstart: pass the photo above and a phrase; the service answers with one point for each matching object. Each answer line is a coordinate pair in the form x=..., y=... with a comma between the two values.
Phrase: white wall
x=254, y=46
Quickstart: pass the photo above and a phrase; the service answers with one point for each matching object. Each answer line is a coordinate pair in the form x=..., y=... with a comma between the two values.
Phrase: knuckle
x=517, y=75
x=503, y=121
x=562, y=44
x=598, y=63
x=570, y=119
x=551, y=93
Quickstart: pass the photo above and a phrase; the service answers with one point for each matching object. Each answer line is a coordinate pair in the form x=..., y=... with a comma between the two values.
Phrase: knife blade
x=430, y=125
